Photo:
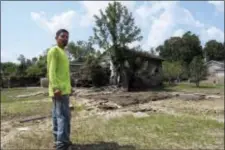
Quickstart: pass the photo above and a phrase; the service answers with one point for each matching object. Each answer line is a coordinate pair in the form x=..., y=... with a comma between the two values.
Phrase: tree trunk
x=169, y=81
x=125, y=80
x=8, y=82
x=178, y=79
x=197, y=83
x=130, y=81
x=114, y=74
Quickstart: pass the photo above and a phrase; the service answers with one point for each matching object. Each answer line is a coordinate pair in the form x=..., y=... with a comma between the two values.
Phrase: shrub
x=100, y=76
x=197, y=70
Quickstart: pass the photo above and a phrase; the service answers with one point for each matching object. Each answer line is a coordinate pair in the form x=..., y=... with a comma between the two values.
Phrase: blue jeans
x=61, y=121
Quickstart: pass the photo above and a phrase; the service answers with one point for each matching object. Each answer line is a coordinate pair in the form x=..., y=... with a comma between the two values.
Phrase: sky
x=28, y=27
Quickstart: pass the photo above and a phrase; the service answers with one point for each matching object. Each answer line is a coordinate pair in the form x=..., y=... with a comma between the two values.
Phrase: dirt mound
x=126, y=99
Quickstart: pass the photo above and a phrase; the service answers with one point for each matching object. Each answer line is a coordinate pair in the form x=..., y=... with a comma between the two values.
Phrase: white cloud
x=163, y=18
x=184, y=17
x=63, y=20
x=179, y=33
x=211, y=33
x=218, y=4
x=159, y=19
x=129, y=4
x=134, y=44
x=150, y=11
x=161, y=29
x=93, y=7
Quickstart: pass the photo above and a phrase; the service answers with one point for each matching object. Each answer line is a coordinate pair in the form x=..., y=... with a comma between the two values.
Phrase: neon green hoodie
x=58, y=71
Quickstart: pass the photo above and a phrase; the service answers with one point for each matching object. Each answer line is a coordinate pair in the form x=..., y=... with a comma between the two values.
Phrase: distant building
x=215, y=68
x=74, y=67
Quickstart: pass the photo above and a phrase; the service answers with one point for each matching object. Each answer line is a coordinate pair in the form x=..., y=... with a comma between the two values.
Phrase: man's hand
x=57, y=93
x=71, y=92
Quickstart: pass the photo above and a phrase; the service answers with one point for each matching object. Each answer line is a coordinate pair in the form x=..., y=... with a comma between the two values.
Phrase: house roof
x=142, y=54
x=219, y=63
x=76, y=64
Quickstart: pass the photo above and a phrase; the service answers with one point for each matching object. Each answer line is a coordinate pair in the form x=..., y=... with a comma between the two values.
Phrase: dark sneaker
x=69, y=145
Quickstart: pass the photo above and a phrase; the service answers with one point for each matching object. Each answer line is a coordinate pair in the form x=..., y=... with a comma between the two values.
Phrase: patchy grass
x=200, y=112
x=9, y=95
x=12, y=107
x=190, y=87
x=199, y=108
x=22, y=110
x=202, y=86
x=189, y=130
x=159, y=131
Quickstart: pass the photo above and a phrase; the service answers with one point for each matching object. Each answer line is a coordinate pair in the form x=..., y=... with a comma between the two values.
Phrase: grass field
x=191, y=125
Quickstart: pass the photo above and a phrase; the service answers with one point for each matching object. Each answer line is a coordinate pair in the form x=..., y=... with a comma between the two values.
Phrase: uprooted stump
x=142, y=109
x=108, y=106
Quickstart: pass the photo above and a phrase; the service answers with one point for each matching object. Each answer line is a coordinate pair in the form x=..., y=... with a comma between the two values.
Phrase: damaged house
x=139, y=70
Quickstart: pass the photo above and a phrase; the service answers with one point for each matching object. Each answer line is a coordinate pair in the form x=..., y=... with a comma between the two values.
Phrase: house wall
x=154, y=78
x=75, y=67
x=219, y=73
x=212, y=69
x=149, y=75
x=215, y=72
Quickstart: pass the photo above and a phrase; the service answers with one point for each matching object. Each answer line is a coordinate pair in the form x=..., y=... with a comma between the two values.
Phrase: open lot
x=108, y=118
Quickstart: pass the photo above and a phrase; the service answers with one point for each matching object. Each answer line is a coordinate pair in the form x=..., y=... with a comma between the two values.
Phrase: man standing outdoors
x=59, y=90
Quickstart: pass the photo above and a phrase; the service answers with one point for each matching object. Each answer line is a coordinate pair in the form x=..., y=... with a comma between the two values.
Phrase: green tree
x=38, y=67
x=178, y=69
x=29, y=63
x=114, y=29
x=22, y=66
x=181, y=48
x=80, y=50
x=152, y=51
x=9, y=69
x=33, y=71
x=192, y=47
x=214, y=50
x=172, y=70
x=171, y=49
x=22, y=59
x=197, y=70
x=34, y=60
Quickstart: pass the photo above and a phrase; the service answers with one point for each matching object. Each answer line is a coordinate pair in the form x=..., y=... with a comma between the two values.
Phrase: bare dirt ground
x=201, y=111
x=211, y=105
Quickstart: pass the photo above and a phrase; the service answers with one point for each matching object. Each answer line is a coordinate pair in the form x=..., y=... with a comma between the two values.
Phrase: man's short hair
x=60, y=31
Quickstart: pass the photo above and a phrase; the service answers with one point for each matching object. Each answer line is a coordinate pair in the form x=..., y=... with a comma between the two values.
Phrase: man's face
x=62, y=39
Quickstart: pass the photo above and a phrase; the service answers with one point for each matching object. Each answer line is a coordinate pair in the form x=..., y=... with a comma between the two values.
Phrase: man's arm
x=52, y=70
